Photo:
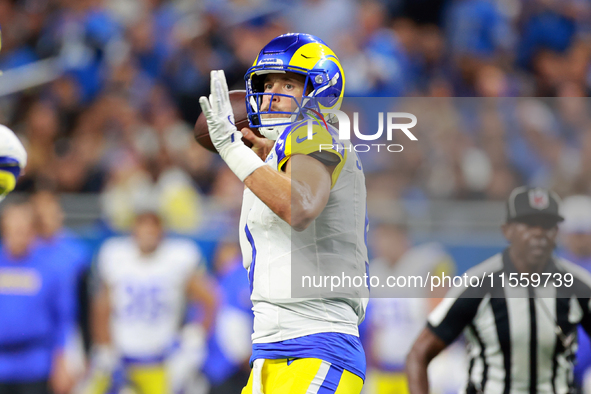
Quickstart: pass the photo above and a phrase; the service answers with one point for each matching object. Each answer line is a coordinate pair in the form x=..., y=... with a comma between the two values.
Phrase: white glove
x=103, y=362
x=104, y=358
x=222, y=131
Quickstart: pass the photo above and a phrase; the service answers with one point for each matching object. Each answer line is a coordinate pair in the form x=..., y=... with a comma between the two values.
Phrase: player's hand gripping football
x=261, y=146
x=218, y=112
x=224, y=135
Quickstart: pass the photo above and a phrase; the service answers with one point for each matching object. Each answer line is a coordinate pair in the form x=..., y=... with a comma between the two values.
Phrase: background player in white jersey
x=13, y=159
x=297, y=196
x=392, y=324
x=146, y=282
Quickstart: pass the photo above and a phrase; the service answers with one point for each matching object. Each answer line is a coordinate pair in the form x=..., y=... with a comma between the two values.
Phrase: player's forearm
x=101, y=315
x=426, y=347
x=202, y=291
x=273, y=188
x=60, y=380
x=210, y=307
x=291, y=201
x=416, y=371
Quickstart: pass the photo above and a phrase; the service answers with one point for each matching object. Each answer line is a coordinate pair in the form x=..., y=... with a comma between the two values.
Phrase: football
x=237, y=98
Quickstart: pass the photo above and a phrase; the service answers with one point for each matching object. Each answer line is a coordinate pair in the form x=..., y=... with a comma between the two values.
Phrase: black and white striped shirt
x=520, y=339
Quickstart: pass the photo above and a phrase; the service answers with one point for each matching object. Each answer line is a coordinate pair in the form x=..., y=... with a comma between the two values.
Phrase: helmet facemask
x=301, y=54
x=272, y=126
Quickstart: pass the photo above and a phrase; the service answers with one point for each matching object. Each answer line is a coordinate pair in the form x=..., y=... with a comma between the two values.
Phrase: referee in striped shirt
x=520, y=325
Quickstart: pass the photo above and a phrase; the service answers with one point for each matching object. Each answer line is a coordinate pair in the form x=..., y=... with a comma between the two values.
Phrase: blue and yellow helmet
x=13, y=159
x=301, y=54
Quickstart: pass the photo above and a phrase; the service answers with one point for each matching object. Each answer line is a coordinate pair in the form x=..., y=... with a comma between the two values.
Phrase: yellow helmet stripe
x=310, y=54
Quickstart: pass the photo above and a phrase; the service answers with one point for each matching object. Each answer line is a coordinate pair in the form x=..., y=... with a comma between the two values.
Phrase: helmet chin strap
x=273, y=132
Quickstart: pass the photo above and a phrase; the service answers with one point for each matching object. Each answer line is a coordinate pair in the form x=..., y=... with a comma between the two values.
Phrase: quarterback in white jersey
x=146, y=282
x=304, y=206
x=13, y=159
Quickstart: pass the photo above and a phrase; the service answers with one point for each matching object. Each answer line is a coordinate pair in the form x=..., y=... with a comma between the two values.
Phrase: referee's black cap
x=525, y=203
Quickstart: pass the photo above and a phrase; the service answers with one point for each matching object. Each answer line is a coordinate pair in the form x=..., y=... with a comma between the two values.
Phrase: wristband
x=240, y=158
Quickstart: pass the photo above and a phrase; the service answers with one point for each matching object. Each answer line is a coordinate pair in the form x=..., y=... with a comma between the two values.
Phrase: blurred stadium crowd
x=117, y=119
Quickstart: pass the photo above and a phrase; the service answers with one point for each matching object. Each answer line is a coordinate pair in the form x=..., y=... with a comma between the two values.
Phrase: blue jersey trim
x=341, y=350
x=148, y=360
x=280, y=150
x=11, y=165
x=254, y=257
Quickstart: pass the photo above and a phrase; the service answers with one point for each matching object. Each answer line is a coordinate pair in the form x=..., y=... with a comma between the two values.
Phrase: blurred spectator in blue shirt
x=35, y=311
x=69, y=250
x=310, y=16
x=150, y=52
x=548, y=39
x=15, y=49
x=549, y=27
x=81, y=35
x=478, y=28
x=229, y=348
x=390, y=72
x=478, y=32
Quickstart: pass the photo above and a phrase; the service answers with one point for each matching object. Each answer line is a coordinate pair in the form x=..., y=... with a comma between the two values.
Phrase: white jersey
x=395, y=322
x=147, y=293
x=333, y=242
